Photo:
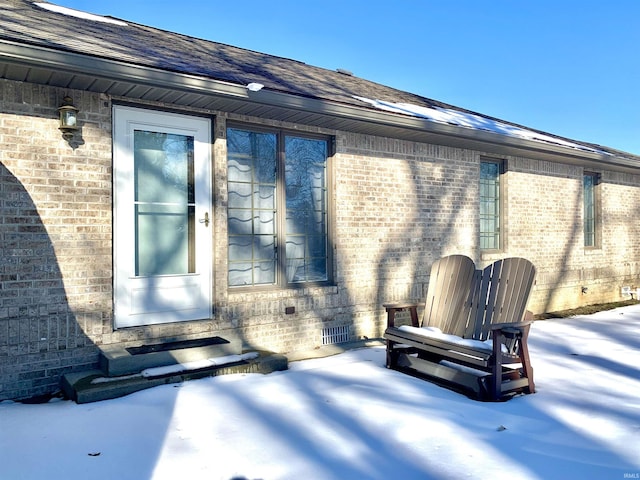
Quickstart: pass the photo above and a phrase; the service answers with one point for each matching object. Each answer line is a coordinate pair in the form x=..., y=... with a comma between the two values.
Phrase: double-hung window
x=590, y=208
x=490, y=205
x=278, y=226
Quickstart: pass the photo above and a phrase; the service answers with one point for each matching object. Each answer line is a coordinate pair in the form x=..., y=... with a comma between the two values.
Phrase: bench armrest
x=512, y=330
x=527, y=320
x=392, y=308
x=399, y=305
x=504, y=326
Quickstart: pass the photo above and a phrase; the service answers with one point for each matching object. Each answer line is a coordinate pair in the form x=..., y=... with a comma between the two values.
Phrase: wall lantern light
x=68, y=118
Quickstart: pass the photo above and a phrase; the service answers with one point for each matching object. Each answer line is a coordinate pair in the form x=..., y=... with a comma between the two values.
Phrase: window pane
x=317, y=246
x=164, y=203
x=254, y=197
x=251, y=156
x=240, y=222
x=163, y=239
x=489, y=205
x=296, y=222
x=251, y=214
x=240, y=168
x=306, y=193
x=317, y=270
x=163, y=167
x=264, y=223
x=264, y=272
x=318, y=224
x=295, y=247
x=240, y=249
x=264, y=196
x=589, y=211
x=240, y=195
x=241, y=273
x=263, y=247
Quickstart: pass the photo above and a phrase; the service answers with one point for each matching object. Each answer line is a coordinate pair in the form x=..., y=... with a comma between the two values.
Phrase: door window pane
x=163, y=239
x=164, y=204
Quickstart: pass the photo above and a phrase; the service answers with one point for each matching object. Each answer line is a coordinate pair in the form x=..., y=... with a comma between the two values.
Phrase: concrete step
x=94, y=385
x=116, y=360
x=128, y=370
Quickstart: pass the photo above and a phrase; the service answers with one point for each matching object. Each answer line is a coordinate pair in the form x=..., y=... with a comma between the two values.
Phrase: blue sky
x=567, y=67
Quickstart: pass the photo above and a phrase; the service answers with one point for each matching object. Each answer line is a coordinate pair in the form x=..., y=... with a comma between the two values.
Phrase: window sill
x=286, y=292
x=492, y=255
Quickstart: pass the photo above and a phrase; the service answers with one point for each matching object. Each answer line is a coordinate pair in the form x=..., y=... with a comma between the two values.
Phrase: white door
x=162, y=230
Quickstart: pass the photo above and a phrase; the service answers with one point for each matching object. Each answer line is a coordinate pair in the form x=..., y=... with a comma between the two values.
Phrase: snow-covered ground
x=347, y=417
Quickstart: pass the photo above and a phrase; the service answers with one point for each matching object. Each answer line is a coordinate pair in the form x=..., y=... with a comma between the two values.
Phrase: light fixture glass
x=68, y=118
x=255, y=87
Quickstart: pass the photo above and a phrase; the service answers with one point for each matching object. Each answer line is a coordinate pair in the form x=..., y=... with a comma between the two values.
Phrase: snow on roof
x=470, y=120
x=79, y=14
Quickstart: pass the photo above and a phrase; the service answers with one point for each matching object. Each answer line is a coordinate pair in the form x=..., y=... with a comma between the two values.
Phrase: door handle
x=205, y=220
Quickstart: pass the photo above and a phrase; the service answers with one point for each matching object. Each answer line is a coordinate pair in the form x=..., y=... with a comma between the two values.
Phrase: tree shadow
x=603, y=361
x=40, y=337
x=350, y=423
x=439, y=201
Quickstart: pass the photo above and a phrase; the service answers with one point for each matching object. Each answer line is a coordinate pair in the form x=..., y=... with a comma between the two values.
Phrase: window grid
x=306, y=211
x=277, y=235
x=590, y=180
x=251, y=209
x=490, y=198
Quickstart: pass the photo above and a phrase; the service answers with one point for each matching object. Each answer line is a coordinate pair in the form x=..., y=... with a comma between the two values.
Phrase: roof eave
x=119, y=78
x=73, y=63
x=447, y=134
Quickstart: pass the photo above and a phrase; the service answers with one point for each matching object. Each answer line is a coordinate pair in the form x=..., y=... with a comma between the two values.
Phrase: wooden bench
x=474, y=330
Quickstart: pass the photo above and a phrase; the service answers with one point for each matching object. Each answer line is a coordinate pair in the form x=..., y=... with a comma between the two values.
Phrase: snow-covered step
x=116, y=360
x=94, y=385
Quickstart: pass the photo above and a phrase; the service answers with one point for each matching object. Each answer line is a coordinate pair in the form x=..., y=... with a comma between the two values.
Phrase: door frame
x=179, y=307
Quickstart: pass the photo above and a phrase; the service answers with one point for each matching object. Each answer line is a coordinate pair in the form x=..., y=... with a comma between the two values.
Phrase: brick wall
x=55, y=231
x=398, y=206
x=545, y=225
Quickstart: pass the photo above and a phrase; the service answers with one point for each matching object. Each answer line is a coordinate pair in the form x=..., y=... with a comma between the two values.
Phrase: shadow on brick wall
x=426, y=232
x=40, y=338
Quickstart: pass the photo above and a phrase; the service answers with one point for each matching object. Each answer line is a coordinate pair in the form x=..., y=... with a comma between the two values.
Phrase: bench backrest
x=464, y=301
x=448, y=303
x=502, y=295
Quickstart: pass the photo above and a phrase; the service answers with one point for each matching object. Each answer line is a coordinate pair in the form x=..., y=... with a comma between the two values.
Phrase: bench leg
x=527, y=369
x=392, y=356
x=495, y=382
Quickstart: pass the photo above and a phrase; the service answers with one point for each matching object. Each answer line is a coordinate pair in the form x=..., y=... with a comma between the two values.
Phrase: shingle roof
x=26, y=22
x=142, y=45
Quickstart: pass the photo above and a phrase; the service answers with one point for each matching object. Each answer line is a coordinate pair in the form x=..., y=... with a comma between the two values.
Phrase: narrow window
x=590, y=215
x=277, y=212
x=490, y=205
x=306, y=209
x=252, y=207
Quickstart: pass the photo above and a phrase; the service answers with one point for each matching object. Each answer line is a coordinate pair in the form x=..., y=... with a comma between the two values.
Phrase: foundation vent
x=339, y=334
